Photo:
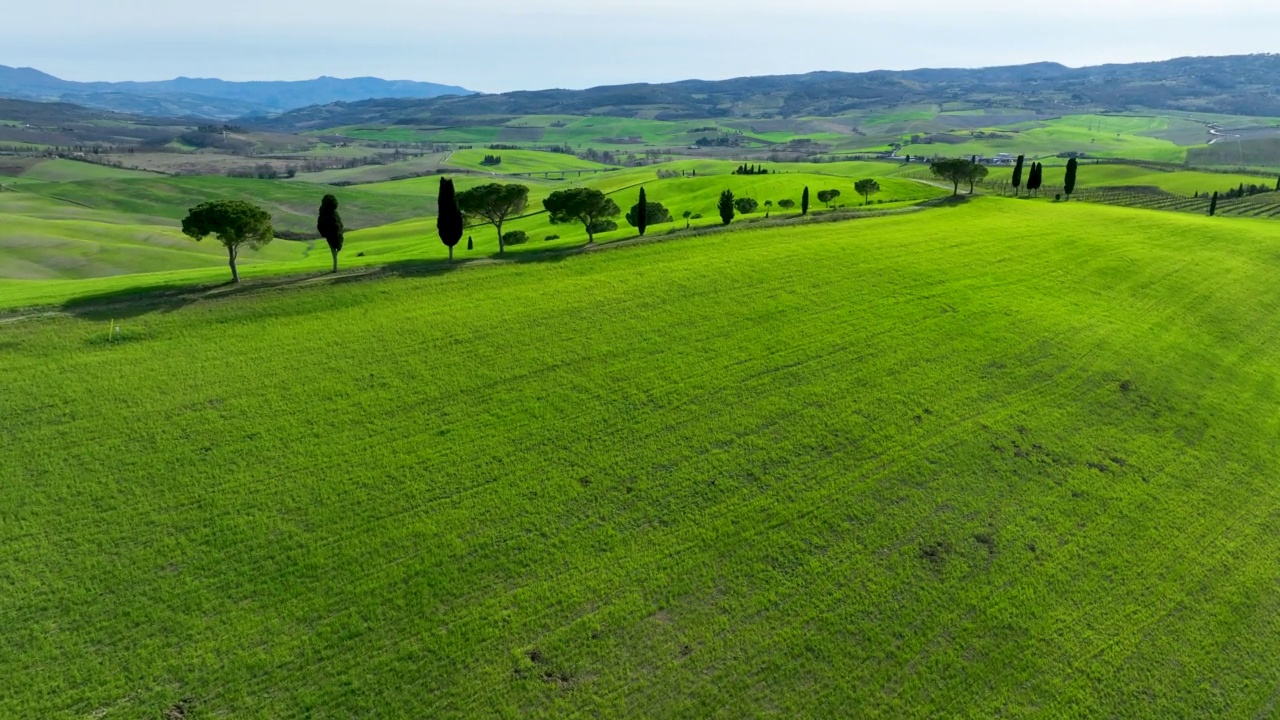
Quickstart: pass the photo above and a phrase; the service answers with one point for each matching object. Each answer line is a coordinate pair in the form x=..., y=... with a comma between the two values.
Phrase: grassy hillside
x=522, y=161
x=57, y=170
x=293, y=206
x=975, y=462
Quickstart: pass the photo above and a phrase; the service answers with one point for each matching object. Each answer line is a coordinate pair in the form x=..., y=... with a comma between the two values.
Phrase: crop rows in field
x=1265, y=205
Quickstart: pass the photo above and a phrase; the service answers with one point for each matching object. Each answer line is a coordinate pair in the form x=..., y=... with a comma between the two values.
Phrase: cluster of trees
x=719, y=141
x=745, y=169
x=491, y=160
x=238, y=224
x=957, y=171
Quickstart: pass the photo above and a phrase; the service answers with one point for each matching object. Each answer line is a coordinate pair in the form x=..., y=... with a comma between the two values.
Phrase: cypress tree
x=449, y=223
x=329, y=225
x=1069, y=184
x=1017, y=174
x=1278, y=184
x=726, y=207
x=1213, y=204
x=804, y=201
x=642, y=213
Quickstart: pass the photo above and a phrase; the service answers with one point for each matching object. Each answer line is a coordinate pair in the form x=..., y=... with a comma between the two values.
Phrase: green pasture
x=521, y=161
x=1181, y=182
x=980, y=461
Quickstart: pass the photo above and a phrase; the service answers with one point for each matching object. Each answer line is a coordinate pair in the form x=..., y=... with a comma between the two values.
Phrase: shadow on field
x=133, y=302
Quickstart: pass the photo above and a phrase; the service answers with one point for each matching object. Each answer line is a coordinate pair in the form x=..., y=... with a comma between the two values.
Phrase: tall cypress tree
x=1017, y=174
x=449, y=223
x=1069, y=184
x=642, y=213
x=726, y=207
x=1213, y=204
x=804, y=201
x=329, y=225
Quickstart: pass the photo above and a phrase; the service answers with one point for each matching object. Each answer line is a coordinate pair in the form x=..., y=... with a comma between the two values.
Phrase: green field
x=522, y=161
x=977, y=461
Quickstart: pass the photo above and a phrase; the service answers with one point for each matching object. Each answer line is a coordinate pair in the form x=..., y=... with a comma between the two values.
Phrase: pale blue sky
x=496, y=45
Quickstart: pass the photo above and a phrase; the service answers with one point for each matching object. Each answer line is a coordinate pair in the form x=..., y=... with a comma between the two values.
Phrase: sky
x=501, y=45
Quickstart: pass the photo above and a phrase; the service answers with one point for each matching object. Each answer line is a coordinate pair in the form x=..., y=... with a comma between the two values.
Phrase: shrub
x=515, y=237
x=746, y=206
x=696, y=216
x=549, y=238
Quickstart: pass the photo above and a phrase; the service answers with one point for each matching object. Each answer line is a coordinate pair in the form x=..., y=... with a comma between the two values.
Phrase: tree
x=494, y=203
x=866, y=188
x=786, y=204
x=746, y=205
x=642, y=213
x=1036, y=178
x=1069, y=183
x=826, y=197
x=687, y=214
x=804, y=201
x=726, y=207
x=235, y=223
x=449, y=222
x=329, y=225
x=582, y=205
x=653, y=214
x=1213, y=204
x=954, y=171
x=1017, y=174
x=977, y=173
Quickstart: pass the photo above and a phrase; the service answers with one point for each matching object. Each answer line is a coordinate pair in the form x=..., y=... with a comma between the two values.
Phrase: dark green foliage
x=1017, y=173
x=641, y=213
x=329, y=225
x=826, y=197
x=746, y=206
x=587, y=206
x=601, y=226
x=1069, y=183
x=515, y=237
x=977, y=173
x=1036, y=179
x=750, y=170
x=495, y=203
x=726, y=206
x=491, y=160
x=954, y=171
x=471, y=245
x=804, y=201
x=786, y=204
x=449, y=221
x=653, y=214
x=866, y=188
x=1213, y=205
x=234, y=222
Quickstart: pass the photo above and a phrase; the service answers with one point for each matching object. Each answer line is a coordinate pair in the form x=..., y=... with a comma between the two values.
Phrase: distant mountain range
x=209, y=98
x=1235, y=85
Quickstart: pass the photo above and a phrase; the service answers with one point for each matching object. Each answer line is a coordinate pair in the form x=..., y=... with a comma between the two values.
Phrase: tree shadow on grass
x=136, y=301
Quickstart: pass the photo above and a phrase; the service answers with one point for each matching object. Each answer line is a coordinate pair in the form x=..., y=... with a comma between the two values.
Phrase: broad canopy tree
x=449, y=221
x=494, y=203
x=584, y=205
x=329, y=225
x=650, y=213
x=235, y=223
x=956, y=171
x=866, y=188
x=826, y=197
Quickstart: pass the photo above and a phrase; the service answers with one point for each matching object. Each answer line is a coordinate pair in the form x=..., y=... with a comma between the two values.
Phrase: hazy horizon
x=496, y=46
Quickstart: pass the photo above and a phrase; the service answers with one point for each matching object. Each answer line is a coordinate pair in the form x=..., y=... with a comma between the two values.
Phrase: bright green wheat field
x=1005, y=459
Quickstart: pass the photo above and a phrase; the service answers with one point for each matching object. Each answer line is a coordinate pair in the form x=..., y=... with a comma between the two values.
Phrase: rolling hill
x=1239, y=85
x=207, y=97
